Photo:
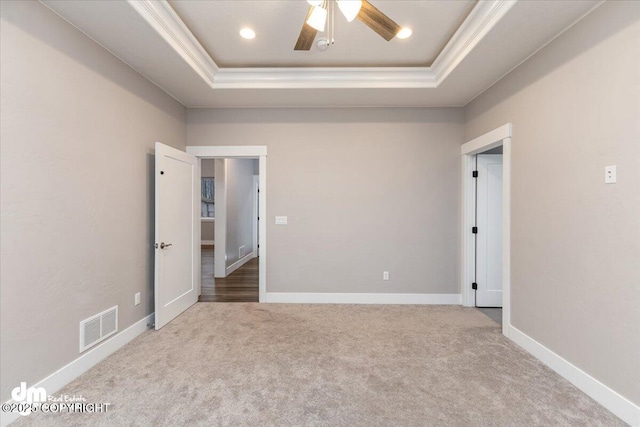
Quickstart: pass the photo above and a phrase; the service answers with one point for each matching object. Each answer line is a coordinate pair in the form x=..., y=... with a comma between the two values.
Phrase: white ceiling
x=197, y=65
x=277, y=24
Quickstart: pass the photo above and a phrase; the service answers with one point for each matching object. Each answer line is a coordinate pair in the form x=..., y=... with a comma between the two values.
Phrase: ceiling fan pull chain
x=332, y=40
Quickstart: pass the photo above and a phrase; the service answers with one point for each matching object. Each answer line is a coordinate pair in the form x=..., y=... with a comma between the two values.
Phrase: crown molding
x=166, y=22
x=312, y=78
x=482, y=18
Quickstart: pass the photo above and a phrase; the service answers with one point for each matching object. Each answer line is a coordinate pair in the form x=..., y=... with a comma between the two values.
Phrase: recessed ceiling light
x=404, y=33
x=247, y=33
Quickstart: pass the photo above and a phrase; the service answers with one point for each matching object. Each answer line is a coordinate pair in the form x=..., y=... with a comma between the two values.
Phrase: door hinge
x=474, y=286
x=474, y=230
x=475, y=174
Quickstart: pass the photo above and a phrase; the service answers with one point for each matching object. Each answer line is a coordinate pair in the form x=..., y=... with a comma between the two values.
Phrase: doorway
x=229, y=245
x=486, y=169
x=234, y=267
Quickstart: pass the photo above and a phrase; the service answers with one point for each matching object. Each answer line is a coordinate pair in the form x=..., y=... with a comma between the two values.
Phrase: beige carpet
x=245, y=364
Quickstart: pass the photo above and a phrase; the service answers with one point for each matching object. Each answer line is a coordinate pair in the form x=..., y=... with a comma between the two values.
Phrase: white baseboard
x=345, y=298
x=242, y=261
x=628, y=411
x=82, y=364
x=207, y=242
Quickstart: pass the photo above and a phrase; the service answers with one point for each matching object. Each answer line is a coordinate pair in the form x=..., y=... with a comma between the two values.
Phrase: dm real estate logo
x=30, y=396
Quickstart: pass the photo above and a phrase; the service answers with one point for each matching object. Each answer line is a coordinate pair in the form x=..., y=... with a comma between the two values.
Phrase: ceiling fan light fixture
x=350, y=8
x=318, y=18
x=316, y=3
x=404, y=33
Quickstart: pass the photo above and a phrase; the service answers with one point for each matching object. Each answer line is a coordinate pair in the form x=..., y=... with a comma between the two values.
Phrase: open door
x=177, y=250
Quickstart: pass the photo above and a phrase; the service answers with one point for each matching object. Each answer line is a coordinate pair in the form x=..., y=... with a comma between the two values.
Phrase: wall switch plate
x=385, y=275
x=610, y=174
x=281, y=220
x=137, y=298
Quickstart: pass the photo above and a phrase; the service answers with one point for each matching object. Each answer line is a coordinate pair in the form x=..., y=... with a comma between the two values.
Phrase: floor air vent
x=98, y=327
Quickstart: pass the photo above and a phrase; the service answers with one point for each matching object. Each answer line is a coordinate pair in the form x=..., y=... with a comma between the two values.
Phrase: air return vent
x=98, y=327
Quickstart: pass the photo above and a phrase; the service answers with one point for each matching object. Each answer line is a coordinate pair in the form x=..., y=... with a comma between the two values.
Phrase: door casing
x=495, y=138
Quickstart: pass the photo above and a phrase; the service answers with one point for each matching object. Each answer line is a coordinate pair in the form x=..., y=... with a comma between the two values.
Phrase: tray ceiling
x=277, y=24
x=192, y=50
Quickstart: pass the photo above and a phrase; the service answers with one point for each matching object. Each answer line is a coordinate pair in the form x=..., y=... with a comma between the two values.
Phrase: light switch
x=281, y=220
x=610, y=175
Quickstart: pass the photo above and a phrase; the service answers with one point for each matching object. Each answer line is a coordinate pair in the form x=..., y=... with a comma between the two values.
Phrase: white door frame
x=497, y=137
x=246, y=152
x=256, y=215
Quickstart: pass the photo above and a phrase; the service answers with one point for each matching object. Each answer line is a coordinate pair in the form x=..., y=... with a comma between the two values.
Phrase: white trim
x=358, y=298
x=228, y=152
x=82, y=364
x=166, y=22
x=254, y=220
x=207, y=242
x=487, y=141
x=251, y=152
x=506, y=234
x=610, y=399
x=262, y=228
x=325, y=77
x=207, y=219
x=483, y=17
x=497, y=137
x=197, y=234
x=239, y=263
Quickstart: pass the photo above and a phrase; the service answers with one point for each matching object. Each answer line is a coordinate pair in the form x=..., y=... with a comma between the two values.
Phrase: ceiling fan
x=321, y=13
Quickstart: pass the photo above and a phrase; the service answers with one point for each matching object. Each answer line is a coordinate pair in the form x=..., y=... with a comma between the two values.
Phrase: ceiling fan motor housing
x=323, y=44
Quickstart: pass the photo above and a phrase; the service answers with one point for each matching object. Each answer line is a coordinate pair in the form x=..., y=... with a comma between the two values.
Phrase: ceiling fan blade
x=378, y=21
x=307, y=34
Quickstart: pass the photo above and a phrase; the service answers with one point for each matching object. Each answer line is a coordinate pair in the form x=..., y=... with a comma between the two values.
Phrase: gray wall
x=208, y=168
x=207, y=231
x=239, y=207
x=78, y=128
x=365, y=190
x=575, y=108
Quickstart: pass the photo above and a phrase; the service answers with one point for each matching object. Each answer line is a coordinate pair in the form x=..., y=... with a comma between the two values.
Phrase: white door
x=177, y=250
x=489, y=236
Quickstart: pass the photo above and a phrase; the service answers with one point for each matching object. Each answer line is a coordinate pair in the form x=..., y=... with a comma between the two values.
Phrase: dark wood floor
x=239, y=286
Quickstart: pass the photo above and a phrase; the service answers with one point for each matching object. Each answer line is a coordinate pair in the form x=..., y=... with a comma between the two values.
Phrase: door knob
x=165, y=245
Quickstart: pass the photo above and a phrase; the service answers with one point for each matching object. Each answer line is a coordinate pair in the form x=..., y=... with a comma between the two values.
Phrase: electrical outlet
x=610, y=175
x=137, y=298
x=281, y=220
x=385, y=275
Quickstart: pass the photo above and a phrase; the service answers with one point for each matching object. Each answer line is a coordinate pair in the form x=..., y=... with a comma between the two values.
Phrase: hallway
x=239, y=286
